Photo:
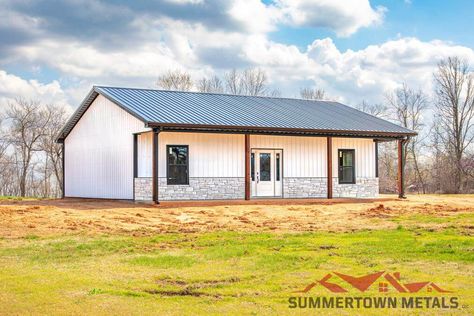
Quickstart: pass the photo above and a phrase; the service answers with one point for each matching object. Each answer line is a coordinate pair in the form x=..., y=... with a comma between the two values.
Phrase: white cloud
x=256, y=16
x=370, y=72
x=12, y=86
x=349, y=76
x=163, y=43
x=344, y=17
x=353, y=76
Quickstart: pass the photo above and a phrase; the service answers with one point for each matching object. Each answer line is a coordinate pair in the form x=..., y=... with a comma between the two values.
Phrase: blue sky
x=424, y=19
x=356, y=50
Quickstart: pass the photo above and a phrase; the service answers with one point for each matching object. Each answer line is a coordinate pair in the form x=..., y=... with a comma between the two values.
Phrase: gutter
x=276, y=130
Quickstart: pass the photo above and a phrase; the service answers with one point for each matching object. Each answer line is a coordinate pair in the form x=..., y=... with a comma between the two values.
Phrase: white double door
x=266, y=172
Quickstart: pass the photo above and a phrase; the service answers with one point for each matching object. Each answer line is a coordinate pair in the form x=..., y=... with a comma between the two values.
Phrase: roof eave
x=278, y=130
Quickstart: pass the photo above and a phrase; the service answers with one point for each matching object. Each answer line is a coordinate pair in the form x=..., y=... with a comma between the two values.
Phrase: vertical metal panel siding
x=302, y=156
x=210, y=155
x=364, y=155
x=145, y=154
x=222, y=155
x=99, y=152
x=306, y=156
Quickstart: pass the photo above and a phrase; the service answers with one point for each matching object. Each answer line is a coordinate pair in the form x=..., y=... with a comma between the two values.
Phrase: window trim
x=339, y=166
x=168, y=165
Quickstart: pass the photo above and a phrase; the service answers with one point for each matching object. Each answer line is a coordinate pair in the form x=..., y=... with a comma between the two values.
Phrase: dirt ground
x=92, y=217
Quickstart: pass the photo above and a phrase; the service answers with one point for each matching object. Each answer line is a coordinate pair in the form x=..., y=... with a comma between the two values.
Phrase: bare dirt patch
x=80, y=216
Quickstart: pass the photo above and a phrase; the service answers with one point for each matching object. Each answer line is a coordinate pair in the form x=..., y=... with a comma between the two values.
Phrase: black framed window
x=346, y=165
x=177, y=164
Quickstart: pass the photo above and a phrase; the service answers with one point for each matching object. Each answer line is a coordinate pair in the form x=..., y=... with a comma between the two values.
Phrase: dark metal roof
x=195, y=110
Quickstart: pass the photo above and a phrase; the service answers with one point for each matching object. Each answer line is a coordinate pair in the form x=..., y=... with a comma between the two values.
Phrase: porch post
x=376, y=158
x=247, y=166
x=401, y=187
x=155, y=166
x=329, y=166
x=135, y=156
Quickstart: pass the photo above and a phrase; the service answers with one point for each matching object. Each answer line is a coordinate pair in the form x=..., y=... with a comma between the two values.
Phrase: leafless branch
x=175, y=80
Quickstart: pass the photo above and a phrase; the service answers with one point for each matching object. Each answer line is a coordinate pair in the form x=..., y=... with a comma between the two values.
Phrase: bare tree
x=175, y=80
x=375, y=109
x=312, y=93
x=27, y=126
x=251, y=81
x=408, y=106
x=387, y=167
x=53, y=150
x=212, y=85
x=3, y=139
x=233, y=82
x=254, y=82
x=6, y=174
x=455, y=108
x=275, y=93
x=441, y=177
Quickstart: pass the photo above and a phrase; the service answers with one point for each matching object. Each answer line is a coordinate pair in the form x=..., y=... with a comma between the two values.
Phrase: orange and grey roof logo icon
x=384, y=279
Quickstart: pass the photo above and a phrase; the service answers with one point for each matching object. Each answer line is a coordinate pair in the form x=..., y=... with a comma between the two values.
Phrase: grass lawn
x=220, y=272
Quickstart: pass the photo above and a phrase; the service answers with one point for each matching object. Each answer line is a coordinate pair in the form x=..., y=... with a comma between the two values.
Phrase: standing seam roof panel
x=194, y=108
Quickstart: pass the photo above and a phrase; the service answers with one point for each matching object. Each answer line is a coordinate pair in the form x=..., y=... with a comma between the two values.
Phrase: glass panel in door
x=265, y=167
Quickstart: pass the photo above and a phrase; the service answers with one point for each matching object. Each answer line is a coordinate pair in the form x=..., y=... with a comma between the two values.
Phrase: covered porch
x=241, y=185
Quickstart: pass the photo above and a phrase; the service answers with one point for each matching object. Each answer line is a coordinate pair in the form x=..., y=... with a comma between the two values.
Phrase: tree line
x=439, y=160
x=251, y=82
x=30, y=158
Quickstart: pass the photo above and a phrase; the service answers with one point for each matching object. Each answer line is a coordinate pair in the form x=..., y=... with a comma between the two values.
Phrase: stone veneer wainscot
x=234, y=188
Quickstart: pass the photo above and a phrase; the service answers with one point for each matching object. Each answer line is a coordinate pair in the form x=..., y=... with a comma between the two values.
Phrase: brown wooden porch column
x=247, y=166
x=155, y=166
x=329, y=166
x=401, y=187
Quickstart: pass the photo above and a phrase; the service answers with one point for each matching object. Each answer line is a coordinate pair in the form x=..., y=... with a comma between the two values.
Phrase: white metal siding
x=99, y=152
x=210, y=155
x=302, y=156
x=222, y=155
x=306, y=156
x=144, y=155
x=364, y=155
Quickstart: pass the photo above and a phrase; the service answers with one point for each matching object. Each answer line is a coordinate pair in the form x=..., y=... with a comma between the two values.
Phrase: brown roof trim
x=278, y=130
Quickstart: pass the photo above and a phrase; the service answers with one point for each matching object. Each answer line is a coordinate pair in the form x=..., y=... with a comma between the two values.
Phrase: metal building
x=144, y=144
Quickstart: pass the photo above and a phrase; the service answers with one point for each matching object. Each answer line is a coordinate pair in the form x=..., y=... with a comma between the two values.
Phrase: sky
x=356, y=50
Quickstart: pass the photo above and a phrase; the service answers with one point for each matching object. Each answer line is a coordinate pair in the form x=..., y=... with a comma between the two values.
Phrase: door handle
x=258, y=178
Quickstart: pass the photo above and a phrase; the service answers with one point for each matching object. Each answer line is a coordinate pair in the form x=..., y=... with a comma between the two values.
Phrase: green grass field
x=223, y=272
